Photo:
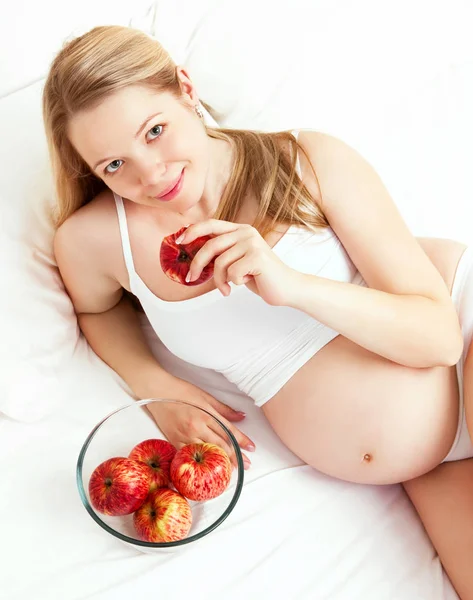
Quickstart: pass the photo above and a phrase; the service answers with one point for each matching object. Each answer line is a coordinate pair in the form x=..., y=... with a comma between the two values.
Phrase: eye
x=114, y=166
x=155, y=132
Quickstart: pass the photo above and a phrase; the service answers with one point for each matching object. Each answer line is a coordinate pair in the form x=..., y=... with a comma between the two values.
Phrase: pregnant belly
x=357, y=416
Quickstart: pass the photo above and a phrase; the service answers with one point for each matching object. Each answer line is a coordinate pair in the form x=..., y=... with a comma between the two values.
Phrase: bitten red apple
x=119, y=486
x=164, y=517
x=176, y=258
x=201, y=471
x=157, y=454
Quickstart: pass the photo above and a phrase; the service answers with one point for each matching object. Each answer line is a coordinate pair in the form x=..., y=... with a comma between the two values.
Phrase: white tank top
x=256, y=346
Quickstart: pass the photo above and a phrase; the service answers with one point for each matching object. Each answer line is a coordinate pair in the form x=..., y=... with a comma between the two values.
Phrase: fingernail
x=180, y=238
x=188, y=277
x=246, y=463
x=241, y=413
x=250, y=447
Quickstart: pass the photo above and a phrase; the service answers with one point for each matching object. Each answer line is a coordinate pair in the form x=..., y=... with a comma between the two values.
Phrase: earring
x=199, y=112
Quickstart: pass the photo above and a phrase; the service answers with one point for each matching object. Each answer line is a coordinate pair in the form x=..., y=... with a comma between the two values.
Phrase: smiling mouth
x=170, y=189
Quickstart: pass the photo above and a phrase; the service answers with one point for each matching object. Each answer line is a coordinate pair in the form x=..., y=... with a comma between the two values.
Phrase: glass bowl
x=115, y=436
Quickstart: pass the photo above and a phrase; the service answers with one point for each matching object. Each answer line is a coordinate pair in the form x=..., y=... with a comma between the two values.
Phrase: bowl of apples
x=149, y=494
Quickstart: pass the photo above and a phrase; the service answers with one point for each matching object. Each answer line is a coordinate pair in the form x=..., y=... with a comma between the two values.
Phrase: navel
x=367, y=458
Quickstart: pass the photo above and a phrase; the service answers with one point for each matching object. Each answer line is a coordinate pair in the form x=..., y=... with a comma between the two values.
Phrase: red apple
x=164, y=517
x=157, y=454
x=176, y=258
x=119, y=486
x=201, y=471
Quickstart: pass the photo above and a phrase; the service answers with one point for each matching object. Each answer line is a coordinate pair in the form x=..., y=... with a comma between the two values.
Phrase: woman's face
x=141, y=143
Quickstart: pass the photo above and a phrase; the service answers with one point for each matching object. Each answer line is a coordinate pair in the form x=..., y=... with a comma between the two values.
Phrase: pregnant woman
x=352, y=335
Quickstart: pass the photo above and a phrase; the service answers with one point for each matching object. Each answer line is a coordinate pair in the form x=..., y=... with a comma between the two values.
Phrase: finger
x=224, y=410
x=244, y=269
x=204, y=434
x=213, y=437
x=220, y=408
x=228, y=447
x=242, y=440
x=214, y=247
x=221, y=265
x=208, y=227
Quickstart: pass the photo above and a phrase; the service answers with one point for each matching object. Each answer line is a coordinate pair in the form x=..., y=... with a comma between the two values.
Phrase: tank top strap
x=126, y=246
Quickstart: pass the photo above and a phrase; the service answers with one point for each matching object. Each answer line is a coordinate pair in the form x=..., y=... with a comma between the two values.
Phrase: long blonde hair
x=110, y=58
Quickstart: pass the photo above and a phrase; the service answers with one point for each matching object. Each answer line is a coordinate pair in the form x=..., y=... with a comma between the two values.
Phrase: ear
x=187, y=87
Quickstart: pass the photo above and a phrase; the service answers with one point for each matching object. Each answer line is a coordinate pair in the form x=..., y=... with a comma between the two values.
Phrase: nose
x=150, y=172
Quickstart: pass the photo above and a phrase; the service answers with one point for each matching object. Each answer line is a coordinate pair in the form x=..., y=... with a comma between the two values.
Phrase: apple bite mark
x=166, y=516
x=176, y=258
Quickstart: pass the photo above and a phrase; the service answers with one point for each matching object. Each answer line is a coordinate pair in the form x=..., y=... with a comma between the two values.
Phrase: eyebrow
x=142, y=126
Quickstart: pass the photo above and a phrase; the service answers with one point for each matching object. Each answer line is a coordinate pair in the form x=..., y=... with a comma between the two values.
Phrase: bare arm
x=111, y=327
x=406, y=313
x=116, y=336
x=105, y=315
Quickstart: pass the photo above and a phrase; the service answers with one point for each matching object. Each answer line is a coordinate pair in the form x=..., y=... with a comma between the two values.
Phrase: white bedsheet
x=294, y=533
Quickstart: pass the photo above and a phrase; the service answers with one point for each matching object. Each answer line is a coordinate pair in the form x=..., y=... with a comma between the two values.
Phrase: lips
x=168, y=190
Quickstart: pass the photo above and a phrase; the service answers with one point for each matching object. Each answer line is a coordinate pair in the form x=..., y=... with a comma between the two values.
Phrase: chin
x=187, y=204
x=187, y=201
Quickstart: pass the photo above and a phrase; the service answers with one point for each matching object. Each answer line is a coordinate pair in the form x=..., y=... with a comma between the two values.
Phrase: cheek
x=191, y=145
x=200, y=165
x=195, y=153
x=126, y=184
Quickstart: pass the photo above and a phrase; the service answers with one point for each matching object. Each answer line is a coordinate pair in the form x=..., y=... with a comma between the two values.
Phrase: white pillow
x=32, y=32
x=40, y=335
x=337, y=66
x=394, y=80
x=39, y=330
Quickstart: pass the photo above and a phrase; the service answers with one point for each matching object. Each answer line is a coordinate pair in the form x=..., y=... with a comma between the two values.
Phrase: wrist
x=153, y=382
x=297, y=289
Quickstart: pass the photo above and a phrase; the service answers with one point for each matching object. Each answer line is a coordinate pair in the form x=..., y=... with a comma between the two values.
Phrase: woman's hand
x=183, y=425
x=242, y=257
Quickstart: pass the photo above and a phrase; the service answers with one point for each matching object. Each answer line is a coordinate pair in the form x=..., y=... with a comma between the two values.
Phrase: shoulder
x=87, y=251
x=90, y=224
x=323, y=148
x=91, y=234
x=339, y=168
x=330, y=154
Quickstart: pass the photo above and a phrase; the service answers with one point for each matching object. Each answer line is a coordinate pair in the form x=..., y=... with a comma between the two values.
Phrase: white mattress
x=294, y=533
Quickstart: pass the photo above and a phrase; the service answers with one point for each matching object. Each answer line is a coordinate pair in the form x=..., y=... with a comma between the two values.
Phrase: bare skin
x=380, y=423
x=366, y=411
x=348, y=427
x=357, y=421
